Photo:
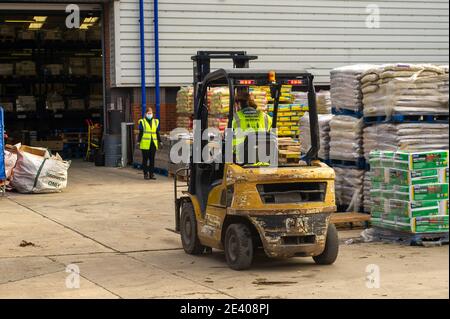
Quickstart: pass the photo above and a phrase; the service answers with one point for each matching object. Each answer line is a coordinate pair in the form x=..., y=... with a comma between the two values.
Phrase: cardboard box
x=6, y=69
x=76, y=105
x=26, y=68
x=26, y=104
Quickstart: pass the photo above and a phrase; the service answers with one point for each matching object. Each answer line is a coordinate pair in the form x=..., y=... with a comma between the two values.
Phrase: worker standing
x=149, y=140
x=249, y=118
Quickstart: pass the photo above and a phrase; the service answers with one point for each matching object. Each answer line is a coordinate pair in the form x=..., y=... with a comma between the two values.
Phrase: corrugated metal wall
x=317, y=35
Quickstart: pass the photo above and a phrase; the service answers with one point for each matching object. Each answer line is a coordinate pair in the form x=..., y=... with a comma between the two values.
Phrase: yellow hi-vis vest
x=149, y=135
x=250, y=119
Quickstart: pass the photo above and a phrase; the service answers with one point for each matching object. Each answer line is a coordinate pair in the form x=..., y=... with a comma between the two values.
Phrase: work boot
x=152, y=177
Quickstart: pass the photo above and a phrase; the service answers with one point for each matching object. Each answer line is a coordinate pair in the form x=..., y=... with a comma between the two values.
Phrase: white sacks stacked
x=346, y=138
x=185, y=107
x=346, y=87
x=406, y=137
x=346, y=134
x=405, y=89
x=403, y=93
x=305, y=136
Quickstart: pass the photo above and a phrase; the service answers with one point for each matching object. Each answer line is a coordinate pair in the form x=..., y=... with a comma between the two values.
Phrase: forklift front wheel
x=329, y=255
x=188, y=230
x=238, y=247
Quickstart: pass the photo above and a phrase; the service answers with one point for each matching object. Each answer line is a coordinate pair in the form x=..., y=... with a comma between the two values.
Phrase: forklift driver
x=248, y=118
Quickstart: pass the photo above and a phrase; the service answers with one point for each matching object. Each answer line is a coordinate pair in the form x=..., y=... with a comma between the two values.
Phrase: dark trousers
x=148, y=160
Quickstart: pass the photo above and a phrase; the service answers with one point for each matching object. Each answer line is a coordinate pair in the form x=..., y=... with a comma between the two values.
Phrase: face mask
x=149, y=116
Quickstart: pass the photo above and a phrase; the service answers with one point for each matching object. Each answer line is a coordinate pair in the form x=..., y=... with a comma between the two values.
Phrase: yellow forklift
x=240, y=207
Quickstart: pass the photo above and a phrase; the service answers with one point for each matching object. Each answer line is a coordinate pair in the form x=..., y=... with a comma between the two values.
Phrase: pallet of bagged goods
x=410, y=191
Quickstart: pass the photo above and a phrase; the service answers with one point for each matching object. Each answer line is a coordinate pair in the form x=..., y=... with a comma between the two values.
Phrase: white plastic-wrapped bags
x=305, y=136
x=39, y=173
x=406, y=136
x=346, y=86
x=406, y=89
x=346, y=138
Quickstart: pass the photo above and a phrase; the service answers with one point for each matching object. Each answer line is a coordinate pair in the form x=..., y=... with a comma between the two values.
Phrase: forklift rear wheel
x=188, y=225
x=238, y=247
x=329, y=255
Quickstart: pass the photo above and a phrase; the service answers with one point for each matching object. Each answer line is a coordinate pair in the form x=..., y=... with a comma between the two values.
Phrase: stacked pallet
x=288, y=151
x=346, y=135
x=405, y=89
x=219, y=107
x=185, y=100
x=219, y=101
x=346, y=86
x=406, y=136
x=410, y=191
x=305, y=136
x=406, y=108
x=323, y=102
x=346, y=139
x=185, y=107
x=288, y=122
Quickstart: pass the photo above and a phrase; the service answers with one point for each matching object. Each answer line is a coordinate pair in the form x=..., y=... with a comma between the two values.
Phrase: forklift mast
x=202, y=63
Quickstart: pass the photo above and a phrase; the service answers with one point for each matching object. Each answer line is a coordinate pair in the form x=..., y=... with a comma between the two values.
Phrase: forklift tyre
x=238, y=247
x=330, y=254
x=188, y=231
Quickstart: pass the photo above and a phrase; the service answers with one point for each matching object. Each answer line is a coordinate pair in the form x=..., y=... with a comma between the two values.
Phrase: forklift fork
x=179, y=200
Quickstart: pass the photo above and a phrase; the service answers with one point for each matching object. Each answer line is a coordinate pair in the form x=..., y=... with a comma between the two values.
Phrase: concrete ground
x=113, y=226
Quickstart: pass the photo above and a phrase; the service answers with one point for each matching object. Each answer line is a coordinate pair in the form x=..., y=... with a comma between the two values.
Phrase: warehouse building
x=52, y=78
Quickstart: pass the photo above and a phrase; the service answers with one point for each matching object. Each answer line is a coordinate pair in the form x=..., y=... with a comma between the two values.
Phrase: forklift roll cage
x=241, y=76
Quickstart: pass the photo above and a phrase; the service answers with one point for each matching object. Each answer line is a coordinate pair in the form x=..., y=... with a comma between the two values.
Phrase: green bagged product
x=430, y=224
x=415, y=209
x=376, y=214
x=395, y=176
x=378, y=204
x=375, y=159
x=421, y=160
x=381, y=159
x=378, y=174
x=429, y=192
x=416, y=225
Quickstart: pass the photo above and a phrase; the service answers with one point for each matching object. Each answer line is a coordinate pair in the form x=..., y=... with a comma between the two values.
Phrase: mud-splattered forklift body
x=238, y=208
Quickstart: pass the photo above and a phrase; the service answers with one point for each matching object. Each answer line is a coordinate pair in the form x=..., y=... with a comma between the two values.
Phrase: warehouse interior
x=51, y=78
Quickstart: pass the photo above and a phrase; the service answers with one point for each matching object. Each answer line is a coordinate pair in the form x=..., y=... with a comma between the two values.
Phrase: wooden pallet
x=287, y=157
x=352, y=220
